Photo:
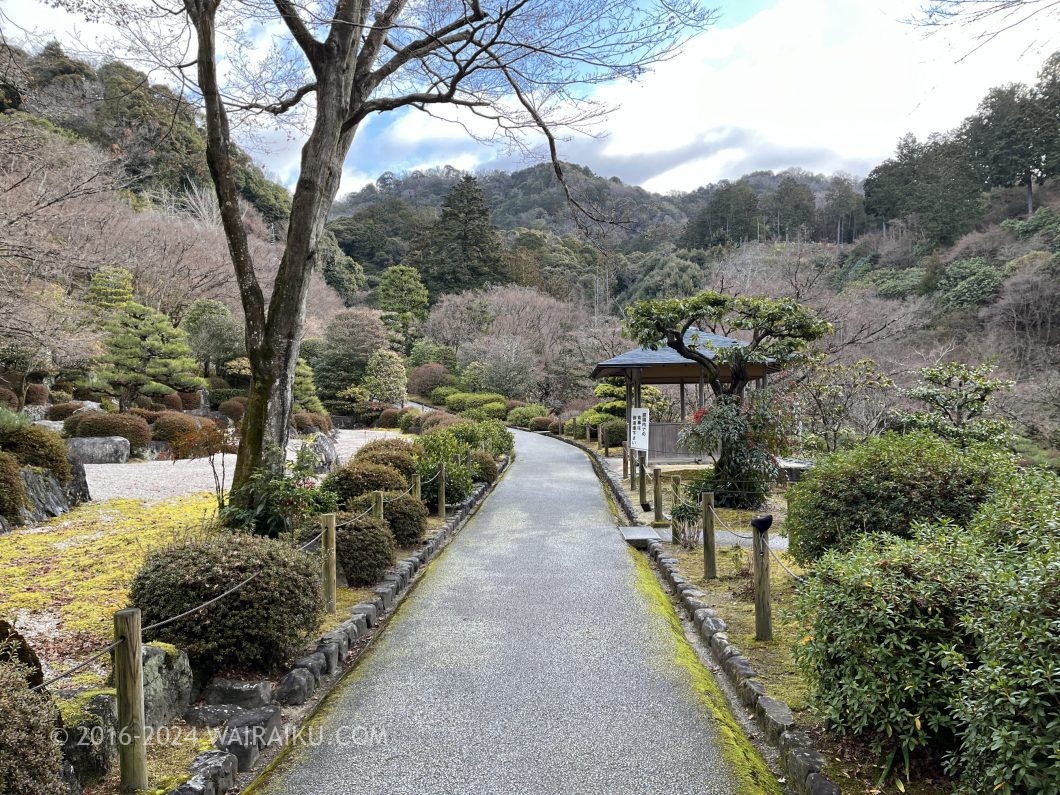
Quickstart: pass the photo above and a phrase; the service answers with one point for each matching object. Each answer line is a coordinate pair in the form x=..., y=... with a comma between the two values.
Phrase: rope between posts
x=192, y=611
x=431, y=479
x=354, y=519
x=399, y=496
x=729, y=529
x=79, y=666
x=791, y=574
x=312, y=541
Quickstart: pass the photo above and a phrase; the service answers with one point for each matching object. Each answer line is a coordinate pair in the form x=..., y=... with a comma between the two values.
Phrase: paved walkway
x=525, y=661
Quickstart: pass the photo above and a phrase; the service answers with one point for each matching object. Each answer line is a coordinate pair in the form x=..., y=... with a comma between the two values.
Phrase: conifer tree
x=403, y=298
x=305, y=391
x=385, y=378
x=145, y=355
x=110, y=288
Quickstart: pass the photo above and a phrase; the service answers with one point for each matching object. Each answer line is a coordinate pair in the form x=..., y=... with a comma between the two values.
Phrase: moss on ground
x=72, y=710
x=752, y=774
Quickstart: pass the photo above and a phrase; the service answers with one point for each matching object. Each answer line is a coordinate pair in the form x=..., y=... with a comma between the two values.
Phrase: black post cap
x=762, y=523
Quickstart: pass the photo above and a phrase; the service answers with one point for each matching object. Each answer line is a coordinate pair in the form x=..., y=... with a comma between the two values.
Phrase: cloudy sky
x=825, y=85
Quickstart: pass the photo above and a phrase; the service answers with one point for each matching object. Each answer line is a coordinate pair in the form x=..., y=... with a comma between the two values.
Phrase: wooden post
x=625, y=460
x=588, y=433
x=377, y=505
x=642, y=478
x=417, y=486
x=129, y=685
x=602, y=434
x=657, y=493
x=441, y=489
x=675, y=485
x=763, y=609
x=710, y=563
x=327, y=545
x=470, y=464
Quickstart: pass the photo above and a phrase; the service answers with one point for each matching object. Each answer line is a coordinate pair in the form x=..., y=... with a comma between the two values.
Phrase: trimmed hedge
x=170, y=425
x=439, y=395
x=219, y=396
x=885, y=485
x=172, y=401
x=30, y=759
x=12, y=489
x=234, y=408
x=60, y=411
x=616, y=432
x=400, y=460
x=409, y=421
x=388, y=418
x=424, y=379
x=37, y=395
x=523, y=415
x=404, y=514
x=190, y=401
x=359, y=477
x=101, y=423
x=483, y=467
x=542, y=423
x=462, y=401
x=34, y=446
x=8, y=398
x=441, y=419
x=260, y=626
x=389, y=444
x=364, y=549
x=311, y=422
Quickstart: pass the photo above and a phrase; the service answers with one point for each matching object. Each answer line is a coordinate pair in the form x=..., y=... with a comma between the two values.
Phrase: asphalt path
x=525, y=661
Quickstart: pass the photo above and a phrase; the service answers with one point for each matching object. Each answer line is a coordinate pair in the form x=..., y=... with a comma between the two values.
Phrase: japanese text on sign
x=638, y=429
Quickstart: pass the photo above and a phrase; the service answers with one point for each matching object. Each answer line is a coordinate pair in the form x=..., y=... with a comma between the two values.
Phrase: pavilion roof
x=667, y=366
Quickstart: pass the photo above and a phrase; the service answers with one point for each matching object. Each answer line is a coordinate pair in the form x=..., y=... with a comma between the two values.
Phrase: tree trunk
x=1030, y=195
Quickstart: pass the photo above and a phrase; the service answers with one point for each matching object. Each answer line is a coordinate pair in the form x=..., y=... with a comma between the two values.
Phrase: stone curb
x=803, y=764
x=212, y=770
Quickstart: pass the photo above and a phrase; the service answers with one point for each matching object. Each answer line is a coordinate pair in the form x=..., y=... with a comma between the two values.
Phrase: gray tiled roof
x=645, y=357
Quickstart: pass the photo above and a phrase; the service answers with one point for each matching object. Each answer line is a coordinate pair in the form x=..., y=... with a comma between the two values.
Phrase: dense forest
x=944, y=251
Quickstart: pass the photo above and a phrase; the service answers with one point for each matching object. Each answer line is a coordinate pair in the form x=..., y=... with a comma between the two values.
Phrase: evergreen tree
x=340, y=272
x=349, y=341
x=145, y=355
x=305, y=390
x=110, y=288
x=461, y=250
x=385, y=378
x=213, y=334
x=403, y=299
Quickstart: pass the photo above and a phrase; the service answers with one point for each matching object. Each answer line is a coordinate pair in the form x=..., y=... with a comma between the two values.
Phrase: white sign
x=638, y=429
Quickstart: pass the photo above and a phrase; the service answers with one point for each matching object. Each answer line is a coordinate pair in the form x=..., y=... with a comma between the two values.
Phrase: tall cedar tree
x=461, y=250
x=404, y=300
x=146, y=356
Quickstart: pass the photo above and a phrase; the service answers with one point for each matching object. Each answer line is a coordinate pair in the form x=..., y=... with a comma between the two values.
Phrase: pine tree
x=145, y=355
x=213, y=334
x=461, y=250
x=403, y=299
x=305, y=391
x=385, y=378
x=109, y=288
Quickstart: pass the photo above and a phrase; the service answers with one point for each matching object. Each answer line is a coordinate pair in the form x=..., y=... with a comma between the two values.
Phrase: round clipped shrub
x=259, y=626
x=401, y=460
x=189, y=401
x=388, y=418
x=8, y=398
x=364, y=549
x=73, y=422
x=150, y=416
x=410, y=419
x=542, y=423
x=171, y=425
x=883, y=486
x=12, y=489
x=458, y=484
x=234, y=408
x=58, y=396
x=219, y=396
x=439, y=395
x=34, y=446
x=462, y=401
x=37, y=395
x=488, y=411
x=441, y=419
x=359, y=477
x=555, y=427
x=404, y=514
x=217, y=382
x=882, y=631
x=616, y=432
x=390, y=443
x=172, y=401
x=101, y=423
x=424, y=379
x=522, y=415
x=311, y=422
x=30, y=759
x=60, y=411
x=483, y=467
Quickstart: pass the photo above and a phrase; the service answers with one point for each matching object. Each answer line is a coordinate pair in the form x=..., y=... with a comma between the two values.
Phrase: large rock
x=51, y=425
x=91, y=737
x=326, y=456
x=221, y=420
x=168, y=686
x=98, y=450
x=89, y=405
x=77, y=488
x=35, y=412
x=248, y=695
x=22, y=652
x=44, y=496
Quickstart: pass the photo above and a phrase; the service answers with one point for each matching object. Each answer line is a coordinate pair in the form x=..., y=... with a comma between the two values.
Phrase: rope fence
x=79, y=667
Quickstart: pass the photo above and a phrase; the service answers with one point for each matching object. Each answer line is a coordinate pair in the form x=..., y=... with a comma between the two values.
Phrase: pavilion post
x=682, y=401
x=642, y=455
x=702, y=385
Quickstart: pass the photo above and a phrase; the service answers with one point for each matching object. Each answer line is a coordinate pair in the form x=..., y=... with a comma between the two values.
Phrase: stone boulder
x=89, y=405
x=77, y=488
x=51, y=425
x=168, y=685
x=98, y=450
x=22, y=652
x=248, y=695
x=35, y=412
x=325, y=455
x=219, y=419
x=44, y=496
x=91, y=725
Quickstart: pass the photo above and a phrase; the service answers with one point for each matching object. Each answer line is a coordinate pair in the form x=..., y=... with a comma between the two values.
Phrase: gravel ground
x=162, y=480
x=526, y=661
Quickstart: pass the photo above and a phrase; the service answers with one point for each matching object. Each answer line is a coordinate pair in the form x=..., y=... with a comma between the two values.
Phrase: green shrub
x=58, y=396
x=882, y=626
x=364, y=549
x=616, y=432
x=60, y=411
x=8, y=398
x=216, y=382
x=99, y=423
x=404, y=514
x=400, y=460
x=458, y=484
x=409, y=421
x=169, y=425
x=555, y=427
x=522, y=415
x=496, y=438
x=37, y=395
x=388, y=444
x=541, y=423
x=367, y=412
x=483, y=467
x=491, y=411
x=441, y=419
x=13, y=419
x=149, y=416
x=30, y=759
x=311, y=422
x=1009, y=695
x=219, y=396
x=462, y=401
x=883, y=486
x=234, y=408
x=12, y=489
x=1024, y=512
x=172, y=401
x=358, y=477
x=440, y=394
x=388, y=418
x=259, y=626
x=73, y=422
x=35, y=446
x=277, y=499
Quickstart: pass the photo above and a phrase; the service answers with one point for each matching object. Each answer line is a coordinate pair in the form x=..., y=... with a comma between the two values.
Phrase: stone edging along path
x=802, y=763
x=337, y=654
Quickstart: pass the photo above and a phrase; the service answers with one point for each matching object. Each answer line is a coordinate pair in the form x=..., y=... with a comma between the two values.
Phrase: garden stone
x=249, y=695
x=246, y=734
x=51, y=425
x=93, y=752
x=386, y=593
x=325, y=454
x=776, y=717
x=315, y=663
x=167, y=684
x=45, y=497
x=196, y=785
x=219, y=419
x=296, y=688
x=340, y=639
x=361, y=620
x=24, y=653
x=331, y=654
x=158, y=451
x=352, y=631
x=750, y=690
x=5, y=526
x=88, y=405
x=211, y=715
x=738, y=667
x=800, y=759
x=98, y=450
x=712, y=626
x=35, y=412
x=216, y=767
x=77, y=488
x=377, y=600
x=816, y=784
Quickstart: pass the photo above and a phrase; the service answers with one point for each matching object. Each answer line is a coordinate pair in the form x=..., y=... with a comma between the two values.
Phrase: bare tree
x=512, y=65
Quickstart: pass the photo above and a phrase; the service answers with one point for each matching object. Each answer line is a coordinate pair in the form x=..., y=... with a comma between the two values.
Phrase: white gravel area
x=162, y=480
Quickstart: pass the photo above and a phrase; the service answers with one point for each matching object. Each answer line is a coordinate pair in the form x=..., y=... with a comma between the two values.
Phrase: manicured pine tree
x=404, y=299
x=305, y=391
